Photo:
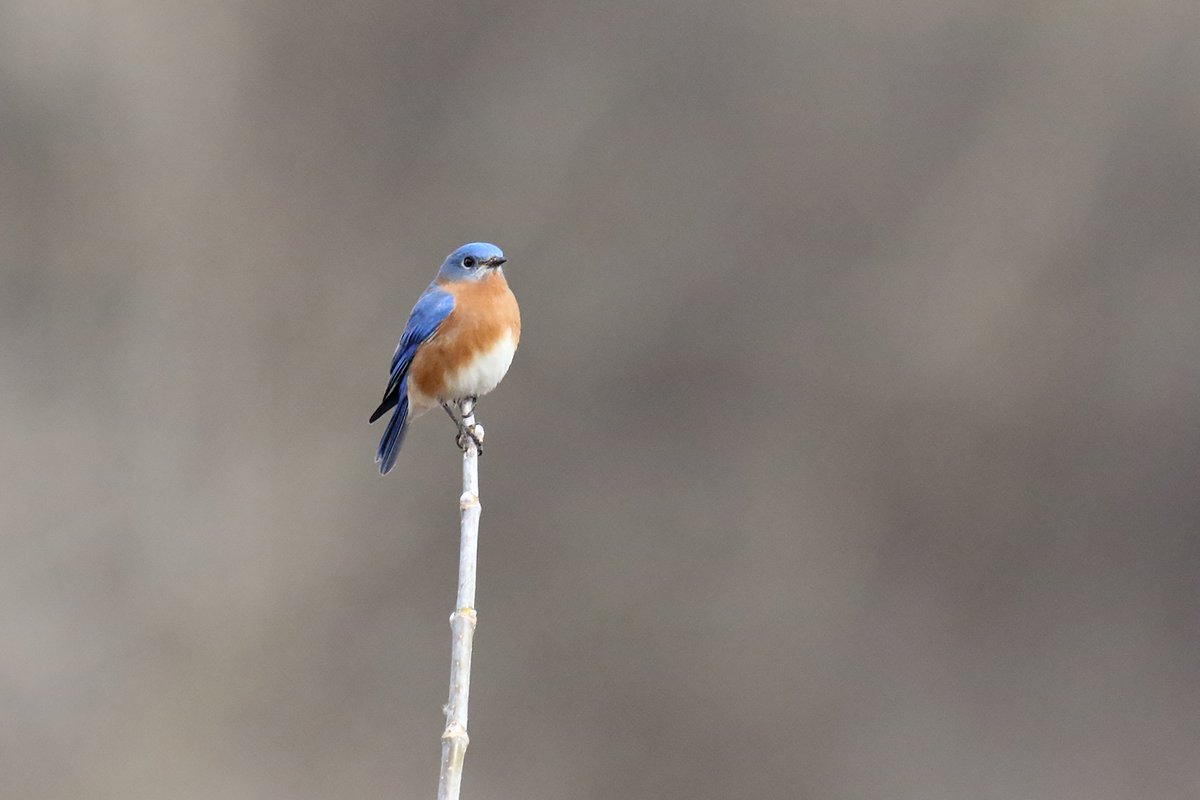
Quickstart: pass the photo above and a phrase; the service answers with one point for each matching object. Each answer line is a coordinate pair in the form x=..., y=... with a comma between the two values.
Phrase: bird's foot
x=472, y=434
x=466, y=433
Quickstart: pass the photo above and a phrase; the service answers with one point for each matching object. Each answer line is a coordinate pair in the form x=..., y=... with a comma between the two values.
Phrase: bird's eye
x=468, y=262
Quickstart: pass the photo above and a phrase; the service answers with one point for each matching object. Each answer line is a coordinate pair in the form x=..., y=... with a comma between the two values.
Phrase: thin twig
x=462, y=621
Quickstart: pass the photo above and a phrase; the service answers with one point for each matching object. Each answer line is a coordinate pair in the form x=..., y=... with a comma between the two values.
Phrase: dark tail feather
x=393, y=435
x=388, y=403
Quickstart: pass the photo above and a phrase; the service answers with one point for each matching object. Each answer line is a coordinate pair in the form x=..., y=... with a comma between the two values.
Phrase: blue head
x=471, y=262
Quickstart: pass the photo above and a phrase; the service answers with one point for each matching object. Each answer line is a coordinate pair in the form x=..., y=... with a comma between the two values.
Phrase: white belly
x=474, y=380
x=484, y=373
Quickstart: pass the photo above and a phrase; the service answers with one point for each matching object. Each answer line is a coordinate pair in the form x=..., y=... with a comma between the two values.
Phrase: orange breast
x=484, y=310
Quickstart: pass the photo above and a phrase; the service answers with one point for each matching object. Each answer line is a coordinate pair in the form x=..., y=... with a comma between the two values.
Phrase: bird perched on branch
x=457, y=345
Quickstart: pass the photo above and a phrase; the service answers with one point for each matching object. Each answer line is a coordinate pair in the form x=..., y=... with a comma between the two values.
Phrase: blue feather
x=427, y=316
x=393, y=434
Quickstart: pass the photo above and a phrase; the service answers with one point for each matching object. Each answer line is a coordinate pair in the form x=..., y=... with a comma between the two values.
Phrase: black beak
x=494, y=262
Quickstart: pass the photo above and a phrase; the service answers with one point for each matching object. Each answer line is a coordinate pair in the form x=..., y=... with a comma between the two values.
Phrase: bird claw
x=472, y=434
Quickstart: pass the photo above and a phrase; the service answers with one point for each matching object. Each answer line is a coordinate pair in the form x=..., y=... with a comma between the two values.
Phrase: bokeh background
x=852, y=449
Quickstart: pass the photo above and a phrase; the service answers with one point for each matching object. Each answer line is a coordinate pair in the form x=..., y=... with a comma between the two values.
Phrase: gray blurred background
x=852, y=450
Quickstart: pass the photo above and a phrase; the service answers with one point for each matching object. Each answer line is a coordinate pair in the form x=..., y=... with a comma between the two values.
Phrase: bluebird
x=457, y=345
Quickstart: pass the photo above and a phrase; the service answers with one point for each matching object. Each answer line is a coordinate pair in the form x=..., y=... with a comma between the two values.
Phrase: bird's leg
x=473, y=432
x=461, y=437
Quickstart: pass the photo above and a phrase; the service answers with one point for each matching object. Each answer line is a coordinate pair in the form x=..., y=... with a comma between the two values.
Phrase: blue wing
x=427, y=316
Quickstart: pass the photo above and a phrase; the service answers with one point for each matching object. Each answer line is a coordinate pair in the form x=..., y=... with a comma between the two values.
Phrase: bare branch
x=462, y=621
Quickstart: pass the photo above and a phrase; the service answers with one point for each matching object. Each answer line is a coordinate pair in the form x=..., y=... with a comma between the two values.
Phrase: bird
x=457, y=345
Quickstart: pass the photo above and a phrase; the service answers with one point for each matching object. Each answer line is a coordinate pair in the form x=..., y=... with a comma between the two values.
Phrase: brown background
x=852, y=450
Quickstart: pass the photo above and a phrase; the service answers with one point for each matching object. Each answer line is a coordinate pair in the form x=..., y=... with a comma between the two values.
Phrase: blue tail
x=393, y=434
